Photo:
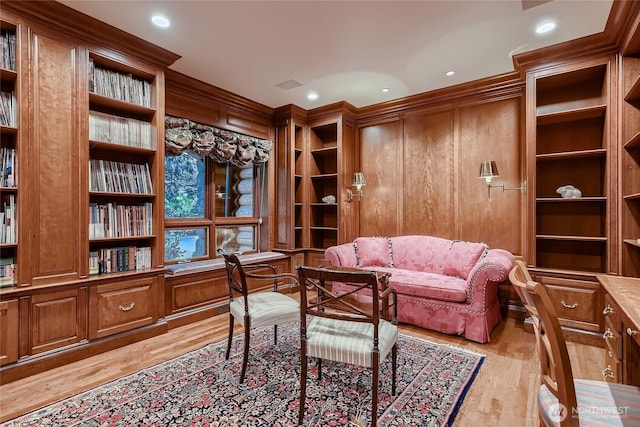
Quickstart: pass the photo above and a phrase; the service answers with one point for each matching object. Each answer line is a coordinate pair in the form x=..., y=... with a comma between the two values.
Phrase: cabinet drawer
x=120, y=307
x=576, y=302
x=610, y=313
x=613, y=341
x=612, y=371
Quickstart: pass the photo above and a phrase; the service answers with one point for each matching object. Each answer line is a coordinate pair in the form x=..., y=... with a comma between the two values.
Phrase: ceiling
x=347, y=50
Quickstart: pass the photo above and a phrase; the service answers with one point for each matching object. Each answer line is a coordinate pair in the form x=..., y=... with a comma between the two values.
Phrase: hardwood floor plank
x=503, y=394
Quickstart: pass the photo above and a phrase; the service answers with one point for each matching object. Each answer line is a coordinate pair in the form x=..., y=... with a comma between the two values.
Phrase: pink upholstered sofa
x=445, y=285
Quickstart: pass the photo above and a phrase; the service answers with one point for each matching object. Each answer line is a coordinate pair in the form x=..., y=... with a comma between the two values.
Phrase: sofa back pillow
x=420, y=253
x=462, y=257
x=373, y=251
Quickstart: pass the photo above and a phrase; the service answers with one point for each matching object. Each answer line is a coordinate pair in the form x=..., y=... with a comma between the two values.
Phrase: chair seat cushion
x=266, y=309
x=348, y=342
x=599, y=404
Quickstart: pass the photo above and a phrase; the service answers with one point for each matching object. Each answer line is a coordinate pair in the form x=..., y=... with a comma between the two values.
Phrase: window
x=214, y=188
x=209, y=206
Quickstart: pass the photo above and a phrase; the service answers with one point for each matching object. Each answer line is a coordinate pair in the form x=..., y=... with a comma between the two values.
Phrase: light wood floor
x=503, y=393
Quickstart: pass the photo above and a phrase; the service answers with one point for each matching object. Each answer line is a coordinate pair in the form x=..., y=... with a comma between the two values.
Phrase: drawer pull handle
x=608, y=372
x=127, y=308
x=607, y=334
x=607, y=310
x=632, y=332
x=571, y=307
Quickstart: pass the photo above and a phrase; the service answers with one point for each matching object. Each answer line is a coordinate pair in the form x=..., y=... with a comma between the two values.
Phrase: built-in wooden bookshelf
x=9, y=88
x=323, y=174
x=571, y=148
x=298, y=190
x=630, y=164
x=124, y=167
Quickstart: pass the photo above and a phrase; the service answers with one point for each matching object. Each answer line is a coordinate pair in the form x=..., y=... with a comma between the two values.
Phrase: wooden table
x=622, y=328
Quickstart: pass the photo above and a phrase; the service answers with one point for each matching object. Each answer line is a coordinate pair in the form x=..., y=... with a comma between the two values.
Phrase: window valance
x=221, y=145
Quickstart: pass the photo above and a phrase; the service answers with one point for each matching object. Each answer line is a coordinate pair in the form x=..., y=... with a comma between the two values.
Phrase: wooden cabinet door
x=54, y=216
x=8, y=331
x=119, y=307
x=58, y=319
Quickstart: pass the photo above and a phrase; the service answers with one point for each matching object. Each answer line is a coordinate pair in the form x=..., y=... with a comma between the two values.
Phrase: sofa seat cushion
x=426, y=285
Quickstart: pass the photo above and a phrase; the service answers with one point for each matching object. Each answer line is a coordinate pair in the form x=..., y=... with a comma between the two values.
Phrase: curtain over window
x=221, y=145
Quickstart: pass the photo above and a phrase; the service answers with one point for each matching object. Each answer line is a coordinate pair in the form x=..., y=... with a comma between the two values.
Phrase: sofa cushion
x=373, y=251
x=426, y=285
x=462, y=257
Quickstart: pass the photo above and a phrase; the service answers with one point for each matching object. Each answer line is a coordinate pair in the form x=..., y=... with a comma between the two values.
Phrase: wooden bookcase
x=125, y=167
x=9, y=151
x=299, y=237
x=570, y=142
x=323, y=175
x=630, y=166
x=571, y=113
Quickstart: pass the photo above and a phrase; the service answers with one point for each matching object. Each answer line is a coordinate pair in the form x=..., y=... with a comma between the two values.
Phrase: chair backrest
x=236, y=277
x=317, y=298
x=555, y=366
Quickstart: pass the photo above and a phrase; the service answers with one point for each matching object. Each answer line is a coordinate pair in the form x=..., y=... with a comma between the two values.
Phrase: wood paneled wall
x=422, y=173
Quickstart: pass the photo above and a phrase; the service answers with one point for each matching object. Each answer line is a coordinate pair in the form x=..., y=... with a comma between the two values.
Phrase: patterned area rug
x=201, y=389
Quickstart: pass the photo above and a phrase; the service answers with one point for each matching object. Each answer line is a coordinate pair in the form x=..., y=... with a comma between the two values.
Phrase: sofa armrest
x=482, y=284
x=341, y=255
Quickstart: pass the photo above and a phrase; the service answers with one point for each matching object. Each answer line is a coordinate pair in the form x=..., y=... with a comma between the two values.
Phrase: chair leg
x=319, y=368
x=394, y=358
x=374, y=389
x=275, y=335
x=303, y=383
x=245, y=357
x=231, y=321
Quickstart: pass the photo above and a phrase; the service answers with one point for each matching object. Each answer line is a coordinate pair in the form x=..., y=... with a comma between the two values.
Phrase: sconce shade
x=358, y=180
x=488, y=170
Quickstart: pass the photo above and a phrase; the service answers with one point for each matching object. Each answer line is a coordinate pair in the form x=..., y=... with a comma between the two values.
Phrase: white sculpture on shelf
x=569, y=192
x=329, y=199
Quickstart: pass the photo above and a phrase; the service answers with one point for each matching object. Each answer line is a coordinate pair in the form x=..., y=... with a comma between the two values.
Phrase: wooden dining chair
x=562, y=400
x=335, y=327
x=256, y=309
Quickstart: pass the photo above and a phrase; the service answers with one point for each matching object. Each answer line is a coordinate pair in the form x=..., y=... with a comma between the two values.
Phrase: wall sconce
x=489, y=170
x=358, y=183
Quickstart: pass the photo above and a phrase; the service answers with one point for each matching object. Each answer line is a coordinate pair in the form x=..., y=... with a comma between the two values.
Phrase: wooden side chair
x=562, y=400
x=333, y=327
x=256, y=309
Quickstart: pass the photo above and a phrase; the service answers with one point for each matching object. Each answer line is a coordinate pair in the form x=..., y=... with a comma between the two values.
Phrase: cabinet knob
x=569, y=306
x=632, y=332
x=607, y=334
x=608, y=372
x=607, y=310
x=127, y=308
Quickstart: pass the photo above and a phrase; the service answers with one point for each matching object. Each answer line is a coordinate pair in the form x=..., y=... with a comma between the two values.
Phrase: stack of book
x=8, y=231
x=8, y=167
x=123, y=87
x=115, y=260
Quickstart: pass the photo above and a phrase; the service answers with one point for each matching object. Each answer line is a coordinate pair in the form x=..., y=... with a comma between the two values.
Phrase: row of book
x=114, y=260
x=8, y=229
x=123, y=87
x=116, y=220
x=119, y=130
x=8, y=167
x=7, y=272
x=118, y=177
x=8, y=108
x=8, y=47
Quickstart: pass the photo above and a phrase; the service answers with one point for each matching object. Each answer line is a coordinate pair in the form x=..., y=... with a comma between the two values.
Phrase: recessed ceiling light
x=312, y=96
x=545, y=27
x=385, y=89
x=450, y=73
x=160, y=21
